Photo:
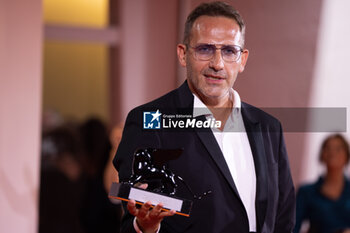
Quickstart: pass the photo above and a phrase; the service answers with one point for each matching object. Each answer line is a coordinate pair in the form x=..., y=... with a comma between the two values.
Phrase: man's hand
x=148, y=219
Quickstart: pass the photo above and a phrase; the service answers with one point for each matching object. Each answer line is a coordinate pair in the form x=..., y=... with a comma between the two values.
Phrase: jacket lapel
x=256, y=141
x=208, y=139
x=255, y=138
x=206, y=136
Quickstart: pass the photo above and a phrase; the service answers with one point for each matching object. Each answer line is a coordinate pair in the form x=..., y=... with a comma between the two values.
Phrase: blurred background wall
x=102, y=58
x=330, y=78
x=21, y=38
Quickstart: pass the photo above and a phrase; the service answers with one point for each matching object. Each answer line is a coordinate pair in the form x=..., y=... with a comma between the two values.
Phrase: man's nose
x=217, y=63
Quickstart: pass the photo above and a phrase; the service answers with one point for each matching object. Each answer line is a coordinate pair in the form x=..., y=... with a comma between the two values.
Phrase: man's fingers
x=154, y=213
x=157, y=212
x=143, y=211
x=132, y=207
x=158, y=207
x=164, y=214
x=141, y=185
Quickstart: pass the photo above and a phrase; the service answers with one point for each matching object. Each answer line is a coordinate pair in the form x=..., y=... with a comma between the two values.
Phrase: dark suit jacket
x=204, y=168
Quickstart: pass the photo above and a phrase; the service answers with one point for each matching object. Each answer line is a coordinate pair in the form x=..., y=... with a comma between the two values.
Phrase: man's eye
x=203, y=49
x=230, y=51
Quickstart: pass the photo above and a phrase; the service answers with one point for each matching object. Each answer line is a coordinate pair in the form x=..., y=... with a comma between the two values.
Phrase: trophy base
x=125, y=192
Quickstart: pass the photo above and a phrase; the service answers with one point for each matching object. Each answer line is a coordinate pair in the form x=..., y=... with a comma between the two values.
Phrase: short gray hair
x=214, y=9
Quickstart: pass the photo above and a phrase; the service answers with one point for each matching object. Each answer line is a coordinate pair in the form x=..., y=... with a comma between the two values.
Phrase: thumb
x=141, y=185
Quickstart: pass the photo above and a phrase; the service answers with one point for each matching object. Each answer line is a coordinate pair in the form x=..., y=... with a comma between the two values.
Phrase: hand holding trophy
x=149, y=168
x=153, y=186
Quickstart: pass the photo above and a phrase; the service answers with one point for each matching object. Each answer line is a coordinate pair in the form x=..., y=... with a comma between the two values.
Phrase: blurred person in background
x=110, y=174
x=326, y=203
x=62, y=182
x=99, y=214
x=50, y=120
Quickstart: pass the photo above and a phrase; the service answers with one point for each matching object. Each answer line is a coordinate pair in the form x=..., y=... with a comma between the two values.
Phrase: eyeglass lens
x=207, y=51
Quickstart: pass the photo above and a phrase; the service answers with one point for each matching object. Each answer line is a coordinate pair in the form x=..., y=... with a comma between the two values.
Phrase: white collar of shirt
x=233, y=123
x=199, y=108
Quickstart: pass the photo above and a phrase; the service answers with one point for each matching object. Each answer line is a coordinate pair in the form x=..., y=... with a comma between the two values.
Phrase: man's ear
x=244, y=58
x=181, y=54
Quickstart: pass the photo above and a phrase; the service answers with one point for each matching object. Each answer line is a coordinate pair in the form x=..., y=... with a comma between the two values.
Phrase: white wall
x=20, y=103
x=331, y=81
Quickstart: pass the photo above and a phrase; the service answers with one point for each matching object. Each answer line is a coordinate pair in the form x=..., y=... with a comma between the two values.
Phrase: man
x=243, y=163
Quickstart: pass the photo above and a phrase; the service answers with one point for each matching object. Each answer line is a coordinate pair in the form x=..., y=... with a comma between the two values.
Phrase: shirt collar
x=199, y=108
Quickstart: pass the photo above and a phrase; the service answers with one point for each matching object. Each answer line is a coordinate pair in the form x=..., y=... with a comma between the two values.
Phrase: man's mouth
x=214, y=77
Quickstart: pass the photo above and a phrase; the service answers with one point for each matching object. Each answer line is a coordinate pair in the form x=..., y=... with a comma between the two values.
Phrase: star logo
x=156, y=115
x=151, y=120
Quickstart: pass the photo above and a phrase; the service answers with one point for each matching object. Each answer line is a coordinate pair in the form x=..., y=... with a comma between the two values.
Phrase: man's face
x=212, y=79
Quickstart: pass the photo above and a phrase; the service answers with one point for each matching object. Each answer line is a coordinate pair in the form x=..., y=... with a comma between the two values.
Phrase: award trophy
x=149, y=167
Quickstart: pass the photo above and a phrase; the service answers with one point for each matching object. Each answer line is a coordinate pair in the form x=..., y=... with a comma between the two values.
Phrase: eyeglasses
x=229, y=53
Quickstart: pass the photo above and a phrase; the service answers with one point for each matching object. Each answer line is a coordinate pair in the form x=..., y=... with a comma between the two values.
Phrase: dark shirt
x=324, y=214
x=99, y=214
x=60, y=203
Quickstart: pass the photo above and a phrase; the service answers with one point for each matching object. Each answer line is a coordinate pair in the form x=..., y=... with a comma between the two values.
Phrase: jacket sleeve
x=134, y=137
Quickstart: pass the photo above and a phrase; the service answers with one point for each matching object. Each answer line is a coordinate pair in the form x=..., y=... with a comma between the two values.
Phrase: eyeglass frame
x=240, y=50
